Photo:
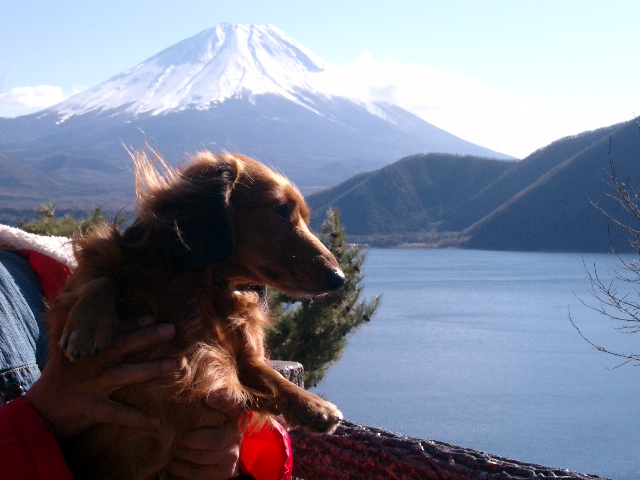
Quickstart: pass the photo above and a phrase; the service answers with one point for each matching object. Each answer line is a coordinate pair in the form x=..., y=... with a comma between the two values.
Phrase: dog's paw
x=312, y=413
x=81, y=342
x=90, y=323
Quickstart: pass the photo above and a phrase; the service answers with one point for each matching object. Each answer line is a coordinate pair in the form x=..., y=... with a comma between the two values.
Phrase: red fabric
x=28, y=450
x=51, y=273
x=266, y=453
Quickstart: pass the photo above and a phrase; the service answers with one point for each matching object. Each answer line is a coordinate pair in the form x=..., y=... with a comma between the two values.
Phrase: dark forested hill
x=523, y=174
x=557, y=212
x=414, y=194
x=545, y=202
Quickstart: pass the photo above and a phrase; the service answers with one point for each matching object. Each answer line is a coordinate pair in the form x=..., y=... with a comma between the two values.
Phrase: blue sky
x=509, y=75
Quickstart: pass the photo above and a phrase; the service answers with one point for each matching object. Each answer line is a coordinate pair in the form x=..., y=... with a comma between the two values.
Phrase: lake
x=475, y=348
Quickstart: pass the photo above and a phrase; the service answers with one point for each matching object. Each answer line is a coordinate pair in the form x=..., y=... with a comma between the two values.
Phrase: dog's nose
x=335, y=279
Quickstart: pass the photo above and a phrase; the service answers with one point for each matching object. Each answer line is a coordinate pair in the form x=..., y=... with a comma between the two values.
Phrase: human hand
x=212, y=450
x=70, y=404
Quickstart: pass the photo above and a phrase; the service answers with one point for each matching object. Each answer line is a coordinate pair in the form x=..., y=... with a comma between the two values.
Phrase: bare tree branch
x=623, y=308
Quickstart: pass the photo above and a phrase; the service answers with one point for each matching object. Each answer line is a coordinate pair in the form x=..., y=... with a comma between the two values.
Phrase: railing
x=356, y=452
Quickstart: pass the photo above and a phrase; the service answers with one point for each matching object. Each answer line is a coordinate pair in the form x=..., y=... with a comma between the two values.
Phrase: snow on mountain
x=223, y=62
x=239, y=88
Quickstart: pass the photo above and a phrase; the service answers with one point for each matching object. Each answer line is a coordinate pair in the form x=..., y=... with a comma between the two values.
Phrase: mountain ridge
x=552, y=200
x=216, y=64
x=270, y=108
x=562, y=210
x=416, y=193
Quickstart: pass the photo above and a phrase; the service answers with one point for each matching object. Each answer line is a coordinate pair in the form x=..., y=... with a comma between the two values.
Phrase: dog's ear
x=204, y=224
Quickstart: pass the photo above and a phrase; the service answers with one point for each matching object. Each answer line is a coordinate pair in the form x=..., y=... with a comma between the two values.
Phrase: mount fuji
x=238, y=88
x=225, y=62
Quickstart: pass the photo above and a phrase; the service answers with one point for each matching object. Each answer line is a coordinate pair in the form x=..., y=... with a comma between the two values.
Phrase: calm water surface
x=476, y=349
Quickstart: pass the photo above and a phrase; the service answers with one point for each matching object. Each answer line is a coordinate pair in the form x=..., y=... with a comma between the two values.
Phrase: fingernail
x=145, y=320
x=222, y=396
x=169, y=365
x=167, y=331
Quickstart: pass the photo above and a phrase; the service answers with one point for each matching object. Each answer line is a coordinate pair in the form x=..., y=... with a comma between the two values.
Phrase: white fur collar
x=58, y=248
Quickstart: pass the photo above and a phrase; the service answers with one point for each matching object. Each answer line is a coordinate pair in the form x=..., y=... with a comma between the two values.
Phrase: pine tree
x=66, y=226
x=313, y=331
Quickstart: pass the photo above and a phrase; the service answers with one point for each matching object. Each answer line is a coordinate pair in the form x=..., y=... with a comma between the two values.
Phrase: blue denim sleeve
x=23, y=342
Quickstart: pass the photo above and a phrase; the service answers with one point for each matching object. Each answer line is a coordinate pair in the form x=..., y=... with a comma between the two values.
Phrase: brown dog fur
x=204, y=233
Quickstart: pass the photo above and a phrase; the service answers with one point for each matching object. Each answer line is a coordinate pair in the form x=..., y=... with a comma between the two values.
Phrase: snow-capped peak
x=219, y=63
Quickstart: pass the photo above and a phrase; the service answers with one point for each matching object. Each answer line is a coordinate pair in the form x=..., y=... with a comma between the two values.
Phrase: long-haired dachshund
x=205, y=234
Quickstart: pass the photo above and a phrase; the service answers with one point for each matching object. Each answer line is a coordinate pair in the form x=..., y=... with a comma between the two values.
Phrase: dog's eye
x=282, y=210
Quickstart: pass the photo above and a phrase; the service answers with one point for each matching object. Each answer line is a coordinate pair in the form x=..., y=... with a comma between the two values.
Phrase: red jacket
x=28, y=450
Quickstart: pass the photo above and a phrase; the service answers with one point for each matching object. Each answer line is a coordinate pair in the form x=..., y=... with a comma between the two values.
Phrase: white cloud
x=25, y=98
x=460, y=105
